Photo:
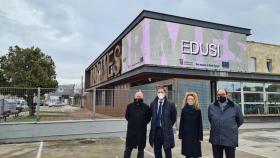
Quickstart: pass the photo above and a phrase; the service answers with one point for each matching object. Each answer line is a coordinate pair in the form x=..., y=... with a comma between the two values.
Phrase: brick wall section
x=120, y=101
x=88, y=102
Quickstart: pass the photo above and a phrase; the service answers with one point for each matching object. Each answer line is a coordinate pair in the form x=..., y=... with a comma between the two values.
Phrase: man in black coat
x=138, y=116
x=225, y=118
x=163, y=118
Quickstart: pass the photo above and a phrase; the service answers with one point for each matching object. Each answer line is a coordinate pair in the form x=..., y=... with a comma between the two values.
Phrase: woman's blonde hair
x=195, y=96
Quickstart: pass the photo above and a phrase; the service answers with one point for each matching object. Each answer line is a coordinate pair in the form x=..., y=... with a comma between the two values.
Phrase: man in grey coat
x=225, y=118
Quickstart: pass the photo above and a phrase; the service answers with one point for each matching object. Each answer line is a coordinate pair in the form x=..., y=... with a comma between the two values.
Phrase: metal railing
x=63, y=103
x=40, y=104
x=69, y=103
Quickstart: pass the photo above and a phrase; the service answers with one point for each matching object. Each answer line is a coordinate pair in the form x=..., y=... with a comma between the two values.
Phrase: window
x=109, y=97
x=253, y=97
x=233, y=89
x=273, y=97
x=169, y=92
x=100, y=97
x=252, y=64
x=269, y=65
x=272, y=87
x=229, y=86
x=254, y=108
x=253, y=87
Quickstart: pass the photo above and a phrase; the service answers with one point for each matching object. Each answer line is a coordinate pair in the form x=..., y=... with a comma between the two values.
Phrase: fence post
x=93, y=102
x=82, y=93
x=38, y=104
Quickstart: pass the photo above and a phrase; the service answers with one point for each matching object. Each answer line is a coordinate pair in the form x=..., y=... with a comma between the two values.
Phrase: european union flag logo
x=225, y=65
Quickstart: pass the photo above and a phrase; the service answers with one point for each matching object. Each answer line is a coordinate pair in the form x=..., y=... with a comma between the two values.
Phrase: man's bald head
x=138, y=95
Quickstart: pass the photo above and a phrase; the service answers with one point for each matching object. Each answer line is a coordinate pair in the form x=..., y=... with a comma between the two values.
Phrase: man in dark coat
x=225, y=118
x=138, y=116
x=163, y=118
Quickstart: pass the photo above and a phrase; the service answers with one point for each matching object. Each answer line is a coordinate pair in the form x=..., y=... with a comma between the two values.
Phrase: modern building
x=185, y=55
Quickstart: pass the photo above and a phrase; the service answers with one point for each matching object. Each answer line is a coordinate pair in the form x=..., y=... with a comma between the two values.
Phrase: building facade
x=263, y=58
x=184, y=55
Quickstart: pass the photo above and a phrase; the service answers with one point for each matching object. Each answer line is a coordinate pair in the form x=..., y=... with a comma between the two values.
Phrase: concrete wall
x=28, y=132
x=262, y=52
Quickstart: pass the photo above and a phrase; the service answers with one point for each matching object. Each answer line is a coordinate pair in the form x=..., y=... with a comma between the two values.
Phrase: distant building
x=63, y=94
x=263, y=57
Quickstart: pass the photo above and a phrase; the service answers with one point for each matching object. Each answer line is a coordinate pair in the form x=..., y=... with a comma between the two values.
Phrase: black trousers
x=128, y=150
x=218, y=151
x=158, y=144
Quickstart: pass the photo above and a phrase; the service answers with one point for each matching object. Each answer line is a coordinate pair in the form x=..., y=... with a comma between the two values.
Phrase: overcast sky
x=75, y=32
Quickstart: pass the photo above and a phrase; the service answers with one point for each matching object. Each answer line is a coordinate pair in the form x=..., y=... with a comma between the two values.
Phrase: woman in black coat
x=190, y=129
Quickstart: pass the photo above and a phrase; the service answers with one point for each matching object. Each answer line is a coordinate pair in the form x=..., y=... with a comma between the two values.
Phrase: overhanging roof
x=170, y=18
x=176, y=72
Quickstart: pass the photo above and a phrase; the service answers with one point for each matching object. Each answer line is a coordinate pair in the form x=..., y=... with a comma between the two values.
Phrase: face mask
x=222, y=99
x=190, y=102
x=138, y=100
x=161, y=96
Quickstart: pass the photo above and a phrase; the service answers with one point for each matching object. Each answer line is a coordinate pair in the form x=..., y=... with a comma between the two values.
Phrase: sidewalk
x=262, y=125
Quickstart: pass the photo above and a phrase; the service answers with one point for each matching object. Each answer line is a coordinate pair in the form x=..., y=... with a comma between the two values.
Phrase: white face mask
x=161, y=96
x=190, y=102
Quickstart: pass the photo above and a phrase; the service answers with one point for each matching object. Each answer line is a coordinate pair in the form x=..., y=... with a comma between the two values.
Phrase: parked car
x=22, y=105
x=3, y=102
x=11, y=107
x=49, y=103
x=3, y=114
x=52, y=103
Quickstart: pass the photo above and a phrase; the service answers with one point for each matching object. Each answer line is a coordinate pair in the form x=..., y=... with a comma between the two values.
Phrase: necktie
x=159, y=114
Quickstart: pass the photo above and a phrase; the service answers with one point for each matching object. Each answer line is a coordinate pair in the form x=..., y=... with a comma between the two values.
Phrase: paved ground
x=60, y=113
x=68, y=113
x=253, y=144
x=264, y=142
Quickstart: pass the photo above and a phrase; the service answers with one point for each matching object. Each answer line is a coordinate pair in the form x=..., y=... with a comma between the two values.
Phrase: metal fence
x=64, y=103
x=41, y=104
